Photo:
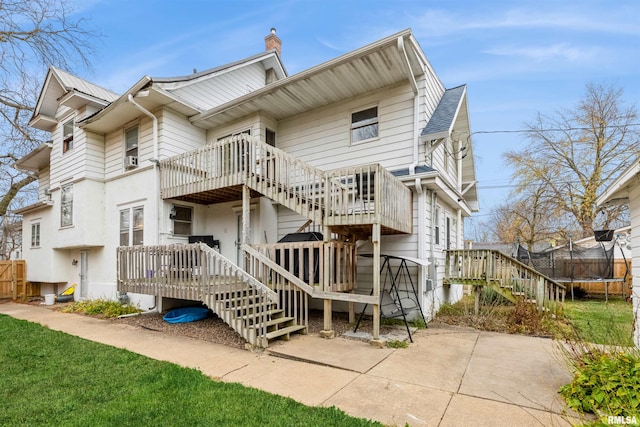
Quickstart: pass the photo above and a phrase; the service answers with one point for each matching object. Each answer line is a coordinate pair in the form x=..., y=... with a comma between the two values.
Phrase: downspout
x=421, y=234
x=156, y=181
x=416, y=105
x=433, y=267
x=154, y=120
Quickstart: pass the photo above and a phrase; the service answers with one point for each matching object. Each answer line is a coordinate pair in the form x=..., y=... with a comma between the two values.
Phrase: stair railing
x=477, y=266
x=293, y=292
x=199, y=273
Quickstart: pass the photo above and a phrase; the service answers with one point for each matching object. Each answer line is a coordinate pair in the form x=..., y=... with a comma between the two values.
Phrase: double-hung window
x=132, y=226
x=67, y=136
x=131, y=147
x=66, y=205
x=35, y=235
x=364, y=124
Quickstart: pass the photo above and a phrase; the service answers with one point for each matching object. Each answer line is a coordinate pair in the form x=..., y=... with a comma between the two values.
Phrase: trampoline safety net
x=575, y=262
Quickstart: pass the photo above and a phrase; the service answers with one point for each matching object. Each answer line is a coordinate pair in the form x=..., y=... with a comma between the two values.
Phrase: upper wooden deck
x=347, y=200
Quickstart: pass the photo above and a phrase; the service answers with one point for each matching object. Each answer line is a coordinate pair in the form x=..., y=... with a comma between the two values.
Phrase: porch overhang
x=370, y=68
x=37, y=159
x=42, y=204
x=434, y=182
x=618, y=191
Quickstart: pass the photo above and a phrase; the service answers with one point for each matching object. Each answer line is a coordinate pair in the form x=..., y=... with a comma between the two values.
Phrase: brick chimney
x=272, y=41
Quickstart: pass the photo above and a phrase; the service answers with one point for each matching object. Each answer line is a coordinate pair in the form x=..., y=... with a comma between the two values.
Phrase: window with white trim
x=67, y=136
x=436, y=231
x=182, y=220
x=66, y=205
x=35, y=235
x=364, y=124
x=131, y=137
x=132, y=226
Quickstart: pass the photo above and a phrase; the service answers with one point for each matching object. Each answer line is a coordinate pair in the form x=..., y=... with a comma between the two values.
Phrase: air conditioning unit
x=131, y=162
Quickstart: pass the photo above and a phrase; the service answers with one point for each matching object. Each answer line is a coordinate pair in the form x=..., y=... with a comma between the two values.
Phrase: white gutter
x=416, y=103
x=154, y=160
x=421, y=233
x=156, y=181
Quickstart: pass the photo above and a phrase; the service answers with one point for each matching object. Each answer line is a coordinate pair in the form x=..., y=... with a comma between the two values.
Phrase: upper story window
x=364, y=124
x=182, y=220
x=66, y=205
x=67, y=136
x=35, y=235
x=131, y=148
x=436, y=227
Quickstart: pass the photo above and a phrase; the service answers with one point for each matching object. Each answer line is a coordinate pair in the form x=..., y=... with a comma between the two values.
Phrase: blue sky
x=517, y=57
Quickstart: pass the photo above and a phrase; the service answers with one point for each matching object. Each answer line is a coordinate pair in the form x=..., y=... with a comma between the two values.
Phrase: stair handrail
x=297, y=305
x=246, y=277
x=543, y=295
x=273, y=266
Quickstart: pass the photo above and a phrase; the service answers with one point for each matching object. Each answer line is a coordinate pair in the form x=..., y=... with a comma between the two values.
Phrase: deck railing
x=348, y=196
x=199, y=273
x=367, y=194
x=487, y=267
x=306, y=261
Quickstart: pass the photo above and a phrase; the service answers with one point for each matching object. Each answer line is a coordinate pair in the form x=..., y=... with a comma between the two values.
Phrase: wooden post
x=375, y=240
x=246, y=215
x=327, y=331
x=476, y=305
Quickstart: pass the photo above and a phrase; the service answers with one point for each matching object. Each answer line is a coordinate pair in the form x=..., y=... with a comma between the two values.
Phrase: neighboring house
x=626, y=189
x=10, y=239
x=244, y=154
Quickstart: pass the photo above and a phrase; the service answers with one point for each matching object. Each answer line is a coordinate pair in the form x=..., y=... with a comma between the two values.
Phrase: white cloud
x=557, y=51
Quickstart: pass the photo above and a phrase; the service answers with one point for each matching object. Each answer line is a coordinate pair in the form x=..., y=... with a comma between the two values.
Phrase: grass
x=600, y=322
x=51, y=378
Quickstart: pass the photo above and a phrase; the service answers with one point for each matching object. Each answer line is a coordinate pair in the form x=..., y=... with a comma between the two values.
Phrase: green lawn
x=51, y=378
x=602, y=322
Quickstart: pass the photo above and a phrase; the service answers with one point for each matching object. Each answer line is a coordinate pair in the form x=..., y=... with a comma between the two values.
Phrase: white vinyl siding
x=634, y=207
x=322, y=137
x=211, y=91
x=177, y=134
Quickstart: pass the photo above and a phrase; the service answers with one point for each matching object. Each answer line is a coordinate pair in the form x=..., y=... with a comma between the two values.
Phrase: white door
x=84, y=265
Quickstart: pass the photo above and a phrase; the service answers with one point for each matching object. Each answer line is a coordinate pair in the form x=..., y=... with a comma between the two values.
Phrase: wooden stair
x=257, y=321
x=504, y=274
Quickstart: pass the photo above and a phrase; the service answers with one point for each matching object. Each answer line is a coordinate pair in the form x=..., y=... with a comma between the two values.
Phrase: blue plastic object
x=186, y=314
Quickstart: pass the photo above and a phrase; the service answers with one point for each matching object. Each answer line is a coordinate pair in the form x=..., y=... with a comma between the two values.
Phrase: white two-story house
x=365, y=154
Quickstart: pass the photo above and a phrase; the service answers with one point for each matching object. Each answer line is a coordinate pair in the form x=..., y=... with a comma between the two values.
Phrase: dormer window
x=67, y=136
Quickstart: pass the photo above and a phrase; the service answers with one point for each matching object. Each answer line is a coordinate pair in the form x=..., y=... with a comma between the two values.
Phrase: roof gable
x=62, y=88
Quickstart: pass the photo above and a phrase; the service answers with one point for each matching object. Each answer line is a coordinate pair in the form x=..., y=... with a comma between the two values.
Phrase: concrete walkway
x=449, y=376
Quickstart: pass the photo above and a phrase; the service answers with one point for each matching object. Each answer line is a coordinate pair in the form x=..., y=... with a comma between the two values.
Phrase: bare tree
x=33, y=35
x=573, y=154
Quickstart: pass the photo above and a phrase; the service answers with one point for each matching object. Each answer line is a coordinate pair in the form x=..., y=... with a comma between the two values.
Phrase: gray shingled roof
x=445, y=113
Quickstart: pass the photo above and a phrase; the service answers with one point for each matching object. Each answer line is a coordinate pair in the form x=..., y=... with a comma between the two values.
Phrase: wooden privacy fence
x=13, y=283
x=604, y=287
